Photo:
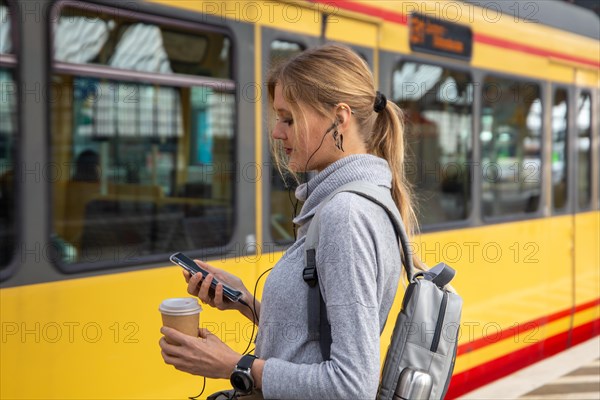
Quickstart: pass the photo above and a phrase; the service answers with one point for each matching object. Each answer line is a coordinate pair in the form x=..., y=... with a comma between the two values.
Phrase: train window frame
x=12, y=61
x=273, y=172
x=543, y=96
x=576, y=153
x=299, y=43
x=176, y=80
x=568, y=147
x=105, y=71
x=304, y=43
x=473, y=73
x=268, y=36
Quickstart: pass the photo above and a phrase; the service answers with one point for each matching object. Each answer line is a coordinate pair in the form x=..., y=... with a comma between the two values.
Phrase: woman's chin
x=295, y=166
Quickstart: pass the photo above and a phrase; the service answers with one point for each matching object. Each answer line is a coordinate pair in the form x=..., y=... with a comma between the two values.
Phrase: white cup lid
x=180, y=306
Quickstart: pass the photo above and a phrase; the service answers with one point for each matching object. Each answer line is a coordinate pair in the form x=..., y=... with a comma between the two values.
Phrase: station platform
x=573, y=374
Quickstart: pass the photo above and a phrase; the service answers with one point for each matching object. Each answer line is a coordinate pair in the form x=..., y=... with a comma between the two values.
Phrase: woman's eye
x=287, y=121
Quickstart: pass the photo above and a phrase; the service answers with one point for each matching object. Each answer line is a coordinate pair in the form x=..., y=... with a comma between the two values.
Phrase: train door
x=560, y=186
x=586, y=264
x=280, y=204
x=279, y=42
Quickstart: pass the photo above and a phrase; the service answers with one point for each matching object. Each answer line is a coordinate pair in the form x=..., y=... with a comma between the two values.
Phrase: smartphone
x=189, y=265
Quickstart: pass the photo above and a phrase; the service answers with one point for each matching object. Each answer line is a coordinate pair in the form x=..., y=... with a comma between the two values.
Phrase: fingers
x=186, y=275
x=205, y=266
x=203, y=333
x=193, y=284
x=205, y=288
x=218, y=299
x=200, y=286
x=204, y=292
x=169, y=359
x=170, y=354
x=167, y=348
x=174, y=336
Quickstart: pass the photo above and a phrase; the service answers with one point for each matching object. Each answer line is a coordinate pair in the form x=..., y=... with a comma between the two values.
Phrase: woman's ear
x=343, y=114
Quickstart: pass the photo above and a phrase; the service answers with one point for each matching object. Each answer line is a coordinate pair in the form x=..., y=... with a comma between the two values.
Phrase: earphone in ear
x=333, y=127
x=338, y=137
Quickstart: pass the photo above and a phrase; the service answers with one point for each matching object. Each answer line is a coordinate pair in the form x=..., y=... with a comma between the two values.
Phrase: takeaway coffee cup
x=182, y=314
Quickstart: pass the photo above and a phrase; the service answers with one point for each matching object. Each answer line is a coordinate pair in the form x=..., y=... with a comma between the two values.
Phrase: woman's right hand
x=200, y=287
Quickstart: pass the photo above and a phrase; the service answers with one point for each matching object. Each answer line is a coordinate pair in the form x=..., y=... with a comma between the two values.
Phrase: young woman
x=329, y=119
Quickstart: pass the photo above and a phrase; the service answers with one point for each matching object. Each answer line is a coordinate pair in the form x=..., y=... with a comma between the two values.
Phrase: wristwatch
x=241, y=377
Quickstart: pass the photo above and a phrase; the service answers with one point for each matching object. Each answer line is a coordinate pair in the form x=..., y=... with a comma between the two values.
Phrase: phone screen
x=188, y=264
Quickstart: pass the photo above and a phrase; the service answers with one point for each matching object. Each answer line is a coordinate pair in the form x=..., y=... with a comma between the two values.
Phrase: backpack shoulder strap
x=382, y=196
x=440, y=275
x=318, y=325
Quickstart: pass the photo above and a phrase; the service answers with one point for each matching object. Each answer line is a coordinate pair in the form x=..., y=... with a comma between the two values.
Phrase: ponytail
x=387, y=141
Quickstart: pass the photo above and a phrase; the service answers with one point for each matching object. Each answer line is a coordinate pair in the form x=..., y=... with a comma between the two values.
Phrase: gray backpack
x=420, y=359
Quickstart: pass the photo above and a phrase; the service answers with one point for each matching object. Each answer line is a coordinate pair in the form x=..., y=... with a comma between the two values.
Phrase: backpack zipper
x=440, y=322
x=449, y=378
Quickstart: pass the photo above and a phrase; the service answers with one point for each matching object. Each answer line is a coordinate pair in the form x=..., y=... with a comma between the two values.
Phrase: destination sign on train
x=436, y=36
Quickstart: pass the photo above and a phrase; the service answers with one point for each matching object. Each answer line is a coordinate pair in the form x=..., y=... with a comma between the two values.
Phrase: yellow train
x=130, y=130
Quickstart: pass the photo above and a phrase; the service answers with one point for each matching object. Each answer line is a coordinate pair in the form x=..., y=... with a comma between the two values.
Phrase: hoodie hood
x=357, y=167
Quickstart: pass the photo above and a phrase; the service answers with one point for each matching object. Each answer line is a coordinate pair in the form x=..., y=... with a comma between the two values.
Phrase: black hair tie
x=380, y=102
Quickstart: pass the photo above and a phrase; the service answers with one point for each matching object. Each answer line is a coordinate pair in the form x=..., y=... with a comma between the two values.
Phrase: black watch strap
x=246, y=361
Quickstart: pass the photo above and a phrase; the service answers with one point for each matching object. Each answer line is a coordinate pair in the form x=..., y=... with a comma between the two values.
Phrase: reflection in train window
x=437, y=103
x=5, y=29
x=283, y=201
x=7, y=182
x=281, y=50
x=148, y=167
x=511, y=135
x=584, y=149
x=8, y=121
x=559, y=149
x=103, y=38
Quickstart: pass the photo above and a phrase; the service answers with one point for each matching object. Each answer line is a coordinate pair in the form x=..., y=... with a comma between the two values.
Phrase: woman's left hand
x=205, y=355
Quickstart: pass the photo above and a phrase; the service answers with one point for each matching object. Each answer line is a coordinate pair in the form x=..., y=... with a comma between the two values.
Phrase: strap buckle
x=309, y=274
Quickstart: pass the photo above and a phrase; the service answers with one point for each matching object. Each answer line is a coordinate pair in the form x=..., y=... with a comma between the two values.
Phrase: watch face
x=242, y=381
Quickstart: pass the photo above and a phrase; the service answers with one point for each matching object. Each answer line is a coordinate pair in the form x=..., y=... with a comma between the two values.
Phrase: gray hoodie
x=358, y=260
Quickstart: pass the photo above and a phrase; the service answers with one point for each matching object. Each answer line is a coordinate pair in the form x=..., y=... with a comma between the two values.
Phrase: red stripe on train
x=523, y=48
x=329, y=6
x=522, y=327
x=473, y=378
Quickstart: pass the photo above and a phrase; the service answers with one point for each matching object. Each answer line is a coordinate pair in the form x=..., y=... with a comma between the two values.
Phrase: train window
x=511, y=135
x=5, y=29
x=283, y=201
x=282, y=50
x=584, y=149
x=560, y=153
x=8, y=121
x=149, y=162
x=91, y=36
x=437, y=103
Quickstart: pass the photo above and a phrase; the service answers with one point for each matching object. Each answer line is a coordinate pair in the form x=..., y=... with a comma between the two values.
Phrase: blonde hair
x=321, y=78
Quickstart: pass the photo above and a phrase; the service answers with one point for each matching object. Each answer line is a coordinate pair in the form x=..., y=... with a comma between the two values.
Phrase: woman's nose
x=278, y=132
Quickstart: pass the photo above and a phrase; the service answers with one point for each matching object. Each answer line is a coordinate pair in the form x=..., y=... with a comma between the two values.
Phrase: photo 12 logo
x=69, y=332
